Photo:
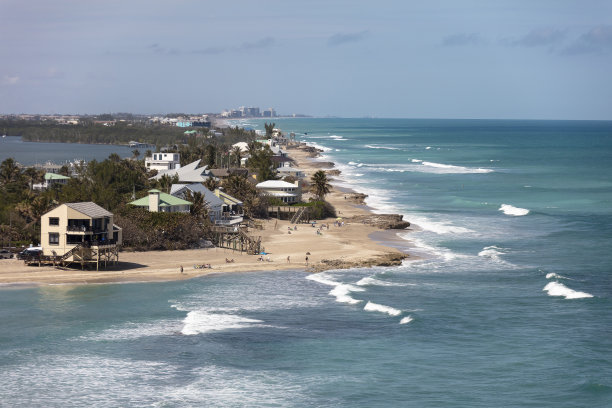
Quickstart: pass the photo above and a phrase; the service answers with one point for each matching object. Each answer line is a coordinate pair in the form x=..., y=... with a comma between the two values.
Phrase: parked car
x=5, y=254
x=30, y=253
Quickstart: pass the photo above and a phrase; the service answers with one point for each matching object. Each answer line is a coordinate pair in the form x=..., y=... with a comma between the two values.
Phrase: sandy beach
x=345, y=246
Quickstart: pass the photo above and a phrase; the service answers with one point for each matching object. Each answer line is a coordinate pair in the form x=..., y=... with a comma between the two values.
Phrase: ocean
x=507, y=302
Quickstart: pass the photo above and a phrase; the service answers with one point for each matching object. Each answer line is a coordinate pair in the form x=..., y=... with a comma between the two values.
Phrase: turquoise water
x=509, y=305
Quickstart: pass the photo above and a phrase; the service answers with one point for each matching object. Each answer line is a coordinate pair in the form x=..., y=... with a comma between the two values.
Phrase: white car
x=5, y=254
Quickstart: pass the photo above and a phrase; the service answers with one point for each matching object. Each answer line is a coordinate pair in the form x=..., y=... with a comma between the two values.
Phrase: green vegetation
x=320, y=185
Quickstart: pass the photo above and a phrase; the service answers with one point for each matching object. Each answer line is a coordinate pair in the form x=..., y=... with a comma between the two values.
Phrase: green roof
x=53, y=176
x=165, y=200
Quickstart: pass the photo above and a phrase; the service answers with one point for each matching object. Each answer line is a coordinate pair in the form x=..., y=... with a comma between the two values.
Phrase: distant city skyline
x=508, y=59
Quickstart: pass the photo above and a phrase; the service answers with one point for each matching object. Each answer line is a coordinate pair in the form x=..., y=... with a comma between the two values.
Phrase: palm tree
x=33, y=175
x=136, y=153
x=320, y=185
x=237, y=153
x=9, y=171
x=211, y=183
x=199, y=206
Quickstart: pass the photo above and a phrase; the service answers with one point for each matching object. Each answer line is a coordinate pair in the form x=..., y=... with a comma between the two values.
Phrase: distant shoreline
x=337, y=247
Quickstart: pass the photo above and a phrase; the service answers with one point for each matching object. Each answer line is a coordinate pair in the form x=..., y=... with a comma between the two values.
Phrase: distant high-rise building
x=269, y=113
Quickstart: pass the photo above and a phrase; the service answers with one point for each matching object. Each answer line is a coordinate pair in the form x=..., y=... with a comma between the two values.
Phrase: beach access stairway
x=296, y=214
x=237, y=239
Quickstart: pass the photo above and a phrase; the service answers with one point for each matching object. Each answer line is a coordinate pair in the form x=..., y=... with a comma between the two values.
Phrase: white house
x=289, y=193
x=50, y=180
x=163, y=161
x=189, y=173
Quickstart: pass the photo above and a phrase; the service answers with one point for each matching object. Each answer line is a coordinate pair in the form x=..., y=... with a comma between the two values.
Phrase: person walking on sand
x=288, y=259
x=181, y=268
x=306, y=260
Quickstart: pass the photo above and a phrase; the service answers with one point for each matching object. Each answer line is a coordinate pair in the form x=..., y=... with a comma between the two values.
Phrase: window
x=53, y=221
x=53, y=238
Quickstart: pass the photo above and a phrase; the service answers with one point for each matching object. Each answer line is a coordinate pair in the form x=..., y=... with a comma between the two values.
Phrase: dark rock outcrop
x=382, y=221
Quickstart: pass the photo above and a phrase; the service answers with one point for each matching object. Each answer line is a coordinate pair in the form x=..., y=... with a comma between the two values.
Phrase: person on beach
x=288, y=259
x=181, y=268
x=306, y=260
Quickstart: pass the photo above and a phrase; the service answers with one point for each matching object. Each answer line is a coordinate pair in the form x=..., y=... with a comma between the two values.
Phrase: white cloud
x=10, y=80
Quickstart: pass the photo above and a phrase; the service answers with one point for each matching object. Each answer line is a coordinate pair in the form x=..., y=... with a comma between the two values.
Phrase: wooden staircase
x=298, y=215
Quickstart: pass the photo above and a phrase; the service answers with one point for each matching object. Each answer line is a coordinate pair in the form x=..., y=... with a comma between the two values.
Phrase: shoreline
x=359, y=243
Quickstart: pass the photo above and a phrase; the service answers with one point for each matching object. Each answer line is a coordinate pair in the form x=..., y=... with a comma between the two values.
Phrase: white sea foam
x=514, y=211
x=450, y=169
x=203, y=322
x=416, y=161
x=559, y=289
x=341, y=291
x=428, y=148
x=369, y=281
x=492, y=252
x=439, y=227
x=553, y=275
x=375, y=307
x=318, y=146
x=382, y=147
x=337, y=137
x=406, y=320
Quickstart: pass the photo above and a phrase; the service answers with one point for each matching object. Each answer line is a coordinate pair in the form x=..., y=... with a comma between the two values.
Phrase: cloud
x=263, y=43
x=210, y=51
x=539, y=37
x=158, y=49
x=344, y=38
x=10, y=80
x=462, y=39
x=596, y=40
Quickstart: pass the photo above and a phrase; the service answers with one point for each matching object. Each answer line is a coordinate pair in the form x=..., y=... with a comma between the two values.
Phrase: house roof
x=189, y=173
x=54, y=176
x=89, y=209
x=275, y=184
x=211, y=199
x=165, y=200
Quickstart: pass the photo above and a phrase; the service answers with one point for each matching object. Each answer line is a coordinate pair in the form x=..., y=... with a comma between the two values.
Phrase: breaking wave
x=553, y=275
x=341, y=291
x=197, y=322
x=514, y=211
x=559, y=289
x=492, y=252
x=382, y=147
x=406, y=320
x=369, y=281
x=375, y=307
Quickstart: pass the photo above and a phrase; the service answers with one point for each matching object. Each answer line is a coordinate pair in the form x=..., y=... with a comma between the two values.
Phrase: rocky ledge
x=382, y=221
x=388, y=259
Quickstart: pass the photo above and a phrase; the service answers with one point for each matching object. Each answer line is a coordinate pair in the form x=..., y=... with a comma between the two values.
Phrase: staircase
x=71, y=252
x=298, y=215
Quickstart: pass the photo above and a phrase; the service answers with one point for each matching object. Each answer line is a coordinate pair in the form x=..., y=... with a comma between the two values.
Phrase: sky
x=515, y=59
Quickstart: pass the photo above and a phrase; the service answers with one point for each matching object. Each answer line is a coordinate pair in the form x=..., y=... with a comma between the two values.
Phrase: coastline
x=359, y=243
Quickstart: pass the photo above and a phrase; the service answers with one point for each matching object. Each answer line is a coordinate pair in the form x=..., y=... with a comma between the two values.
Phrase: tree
x=199, y=206
x=269, y=129
x=211, y=183
x=237, y=153
x=136, y=153
x=33, y=175
x=9, y=171
x=320, y=186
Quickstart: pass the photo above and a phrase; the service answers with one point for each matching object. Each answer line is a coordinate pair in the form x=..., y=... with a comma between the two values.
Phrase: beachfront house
x=79, y=231
x=163, y=161
x=157, y=201
x=289, y=193
x=213, y=203
x=232, y=208
x=189, y=173
x=51, y=179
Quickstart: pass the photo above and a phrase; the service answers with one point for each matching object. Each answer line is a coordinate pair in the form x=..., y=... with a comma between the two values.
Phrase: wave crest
x=559, y=289
x=514, y=211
